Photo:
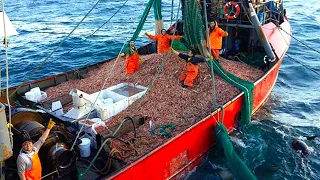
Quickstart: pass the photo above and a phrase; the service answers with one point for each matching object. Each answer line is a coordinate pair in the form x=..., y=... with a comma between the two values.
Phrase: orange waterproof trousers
x=190, y=75
x=215, y=53
x=132, y=63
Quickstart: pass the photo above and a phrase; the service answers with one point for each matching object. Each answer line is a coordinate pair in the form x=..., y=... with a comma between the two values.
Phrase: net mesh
x=237, y=166
x=193, y=28
x=246, y=86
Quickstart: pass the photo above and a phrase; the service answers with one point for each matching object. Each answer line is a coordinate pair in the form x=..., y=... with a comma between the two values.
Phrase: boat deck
x=167, y=102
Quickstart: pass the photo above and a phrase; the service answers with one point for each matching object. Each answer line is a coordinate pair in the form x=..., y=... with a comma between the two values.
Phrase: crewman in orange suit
x=163, y=40
x=192, y=68
x=28, y=162
x=216, y=35
x=132, y=58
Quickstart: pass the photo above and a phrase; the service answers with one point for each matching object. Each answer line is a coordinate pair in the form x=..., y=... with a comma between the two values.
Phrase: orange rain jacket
x=192, y=69
x=163, y=41
x=216, y=38
x=132, y=60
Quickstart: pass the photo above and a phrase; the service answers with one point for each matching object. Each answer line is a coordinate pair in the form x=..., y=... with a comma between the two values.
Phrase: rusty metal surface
x=26, y=115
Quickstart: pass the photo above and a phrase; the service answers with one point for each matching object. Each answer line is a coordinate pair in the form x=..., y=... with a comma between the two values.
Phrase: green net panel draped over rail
x=193, y=28
x=245, y=86
x=236, y=165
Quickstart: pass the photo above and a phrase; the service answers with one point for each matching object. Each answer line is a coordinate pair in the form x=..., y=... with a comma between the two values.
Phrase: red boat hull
x=182, y=153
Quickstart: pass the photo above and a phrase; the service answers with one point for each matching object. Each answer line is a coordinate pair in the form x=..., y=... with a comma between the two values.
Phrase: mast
x=264, y=41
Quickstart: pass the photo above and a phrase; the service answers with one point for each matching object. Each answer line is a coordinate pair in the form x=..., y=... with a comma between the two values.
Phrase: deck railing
x=267, y=11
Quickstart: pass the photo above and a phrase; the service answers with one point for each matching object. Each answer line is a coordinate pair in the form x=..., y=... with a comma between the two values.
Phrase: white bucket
x=85, y=147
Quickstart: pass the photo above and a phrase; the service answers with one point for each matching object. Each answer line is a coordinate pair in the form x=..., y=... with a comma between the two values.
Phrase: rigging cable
x=292, y=58
x=139, y=105
x=300, y=41
x=7, y=73
x=159, y=69
x=171, y=12
x=104, y=83
x=304, y=65
x=211, y=67
x=98, y=28
x=54, y=50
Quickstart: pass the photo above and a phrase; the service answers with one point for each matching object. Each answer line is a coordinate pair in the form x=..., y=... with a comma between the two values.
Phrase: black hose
x=119, y=139
x=134, y=126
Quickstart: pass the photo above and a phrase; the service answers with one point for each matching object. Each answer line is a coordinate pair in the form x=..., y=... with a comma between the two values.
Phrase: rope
x=299, y=62
x=49, y=174
x=163, y=130
x=300, y=41
x=161, y=65
x=100, y=149
x=98, y=28
x=171, y=12
x=7, y=73
x=304, y=65
x=139, y=105
x=246, y=89
x=214, y=95
x=104, y=83
x=54, y=50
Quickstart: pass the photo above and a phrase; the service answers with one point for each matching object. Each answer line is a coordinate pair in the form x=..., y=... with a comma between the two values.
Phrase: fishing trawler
x=148, y=126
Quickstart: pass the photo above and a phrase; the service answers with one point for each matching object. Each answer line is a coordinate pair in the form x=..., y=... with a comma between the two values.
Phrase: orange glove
x=51, y=124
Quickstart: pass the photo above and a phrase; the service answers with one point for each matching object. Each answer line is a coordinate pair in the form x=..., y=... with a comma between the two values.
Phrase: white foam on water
x=238, y=141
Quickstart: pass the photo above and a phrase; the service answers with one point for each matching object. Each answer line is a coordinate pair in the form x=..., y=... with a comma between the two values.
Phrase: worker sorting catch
x=192, y=69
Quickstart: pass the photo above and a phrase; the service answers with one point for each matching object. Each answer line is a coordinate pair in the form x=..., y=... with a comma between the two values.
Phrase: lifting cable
x=7, y=74
x=104, y=83
x=159, y=69
x=171, y=12
x=54, y=50
x=140, y=103
x=211, y=66
x=97, y=29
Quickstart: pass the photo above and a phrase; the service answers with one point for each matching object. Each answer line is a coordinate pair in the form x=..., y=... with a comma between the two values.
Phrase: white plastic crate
x=137, y=91
x=115, y=99
x=105, y=109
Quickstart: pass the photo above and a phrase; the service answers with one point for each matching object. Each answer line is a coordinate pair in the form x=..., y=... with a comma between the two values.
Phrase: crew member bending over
x=28, y=162
x=163, y=40
x=192, y=68
x=216, y=35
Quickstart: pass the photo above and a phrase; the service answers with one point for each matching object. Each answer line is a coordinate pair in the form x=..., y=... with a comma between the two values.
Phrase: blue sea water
x=265, y=146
